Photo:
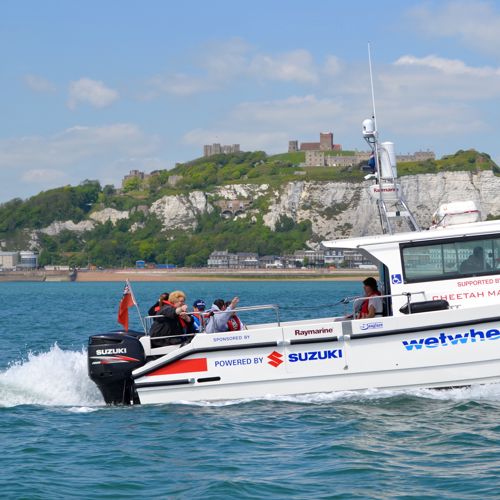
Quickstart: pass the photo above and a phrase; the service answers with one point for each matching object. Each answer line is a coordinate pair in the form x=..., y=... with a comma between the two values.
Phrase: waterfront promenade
x=202, y=274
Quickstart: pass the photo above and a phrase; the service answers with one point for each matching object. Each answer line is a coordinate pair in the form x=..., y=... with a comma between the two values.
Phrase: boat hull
x=436, y=350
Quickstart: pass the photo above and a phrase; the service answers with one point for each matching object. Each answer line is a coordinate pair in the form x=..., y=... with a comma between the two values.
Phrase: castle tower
x=326, y=141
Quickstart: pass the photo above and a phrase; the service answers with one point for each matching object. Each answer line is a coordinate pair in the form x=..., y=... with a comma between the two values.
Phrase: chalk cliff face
x=181, y=211
x=109, y=214
x=58, y=226
x=245, y=191
x=338, y=210
x=335, y=209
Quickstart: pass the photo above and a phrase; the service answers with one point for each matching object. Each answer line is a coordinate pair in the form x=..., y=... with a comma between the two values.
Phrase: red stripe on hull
x=182, y=366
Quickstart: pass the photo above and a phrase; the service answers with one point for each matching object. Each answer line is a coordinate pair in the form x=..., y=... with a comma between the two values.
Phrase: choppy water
x=58, y=440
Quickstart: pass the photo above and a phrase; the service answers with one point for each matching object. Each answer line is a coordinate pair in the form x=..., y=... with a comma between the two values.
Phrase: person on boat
x=234, y=323
x=372, y=306
x=174, y=323
x=475, y=262
x=157, y=305
x=220, y=314
x=199, y=317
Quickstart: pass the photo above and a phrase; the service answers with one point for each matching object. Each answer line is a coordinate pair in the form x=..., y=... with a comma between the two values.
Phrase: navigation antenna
x=392, y=208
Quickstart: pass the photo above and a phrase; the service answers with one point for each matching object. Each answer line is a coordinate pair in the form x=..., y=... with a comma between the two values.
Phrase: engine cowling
x=111, y=359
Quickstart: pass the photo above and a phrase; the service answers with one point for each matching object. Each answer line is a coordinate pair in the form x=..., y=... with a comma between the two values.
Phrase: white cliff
x=56, y=227
x=335, y=209
x=239, y=191
x=109, y=214
x=338, y=210
x=181, y=211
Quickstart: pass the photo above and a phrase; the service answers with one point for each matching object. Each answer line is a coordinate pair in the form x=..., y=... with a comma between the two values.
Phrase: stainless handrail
x=405, y=294
x=208, y=312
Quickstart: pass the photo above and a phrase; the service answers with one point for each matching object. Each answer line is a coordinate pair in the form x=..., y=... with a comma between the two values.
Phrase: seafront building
x=25, y=259
x=222, y=259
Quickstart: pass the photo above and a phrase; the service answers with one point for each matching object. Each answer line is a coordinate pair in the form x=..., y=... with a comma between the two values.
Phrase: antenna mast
x=386, y=191
x=371, y=83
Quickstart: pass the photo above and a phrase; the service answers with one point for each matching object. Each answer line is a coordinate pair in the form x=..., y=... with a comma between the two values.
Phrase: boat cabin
x=458, y=264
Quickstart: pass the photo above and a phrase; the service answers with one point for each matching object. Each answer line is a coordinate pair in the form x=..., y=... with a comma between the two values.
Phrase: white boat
x=440, y=328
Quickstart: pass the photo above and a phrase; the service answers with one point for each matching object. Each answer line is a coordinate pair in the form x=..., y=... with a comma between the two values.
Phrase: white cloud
x=433, y=77
x=218, y=65
x=448, y=66
x=303, y=112
x=44, y=175
x=39, y=83
x=475, y=23
x=225, y=60
x=75, y=154
x=269, y=125
x=274, y=141
x=419, y=99
x=183, y=85
x=91, y=92
x=295, y=66
x=332, y=66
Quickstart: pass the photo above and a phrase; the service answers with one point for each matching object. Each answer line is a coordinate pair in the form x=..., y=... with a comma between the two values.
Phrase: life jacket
x=181, y=321
x=364, y=307
x=199, y=320
x=234, y=324
x=158, y=307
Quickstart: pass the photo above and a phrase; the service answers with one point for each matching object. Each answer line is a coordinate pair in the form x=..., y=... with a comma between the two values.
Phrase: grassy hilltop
x=116, y=245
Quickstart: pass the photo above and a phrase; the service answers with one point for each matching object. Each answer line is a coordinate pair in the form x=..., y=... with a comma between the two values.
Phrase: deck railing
x=357, y=300
x=148, y=320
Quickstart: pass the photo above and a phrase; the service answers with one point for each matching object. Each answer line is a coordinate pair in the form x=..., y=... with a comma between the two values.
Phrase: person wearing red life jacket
x=173, y=323
x=234, y=323
x=153, y=310
x=219, y=315
x=372, y=306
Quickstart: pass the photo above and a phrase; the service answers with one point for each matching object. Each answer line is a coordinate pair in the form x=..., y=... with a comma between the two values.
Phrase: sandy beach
x=222, y=275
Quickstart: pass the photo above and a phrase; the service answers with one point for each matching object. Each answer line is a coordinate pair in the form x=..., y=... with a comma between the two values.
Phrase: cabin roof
x=473, y=229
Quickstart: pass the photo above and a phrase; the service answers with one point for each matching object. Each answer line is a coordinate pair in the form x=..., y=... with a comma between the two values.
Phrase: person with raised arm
x=220, y=315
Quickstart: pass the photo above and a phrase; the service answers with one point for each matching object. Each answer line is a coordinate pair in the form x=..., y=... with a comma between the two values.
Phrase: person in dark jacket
x=156, y=306
x=174, y=322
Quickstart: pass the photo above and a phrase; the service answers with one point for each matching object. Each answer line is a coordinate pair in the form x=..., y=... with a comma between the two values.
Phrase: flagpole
x=137, y=306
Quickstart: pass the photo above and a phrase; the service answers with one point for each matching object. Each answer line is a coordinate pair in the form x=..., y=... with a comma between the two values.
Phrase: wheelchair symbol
x=396, y=279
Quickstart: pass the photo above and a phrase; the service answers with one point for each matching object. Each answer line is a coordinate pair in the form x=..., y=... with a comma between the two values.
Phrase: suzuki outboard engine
x=112, y=357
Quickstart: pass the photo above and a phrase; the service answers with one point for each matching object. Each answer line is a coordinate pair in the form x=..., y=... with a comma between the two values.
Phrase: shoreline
x=222, y=275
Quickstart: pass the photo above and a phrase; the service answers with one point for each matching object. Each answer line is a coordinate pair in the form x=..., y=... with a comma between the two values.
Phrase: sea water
x=59, y=440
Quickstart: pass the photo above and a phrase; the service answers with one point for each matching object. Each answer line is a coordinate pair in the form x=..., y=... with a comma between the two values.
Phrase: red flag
x=126, y=302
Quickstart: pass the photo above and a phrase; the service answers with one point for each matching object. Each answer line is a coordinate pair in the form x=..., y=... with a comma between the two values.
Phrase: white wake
x=53, y=378
x=486, y=393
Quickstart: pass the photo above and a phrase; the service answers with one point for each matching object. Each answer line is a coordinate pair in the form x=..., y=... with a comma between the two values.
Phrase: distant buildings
x=233, y=208
x=323, y=159
x=325, y=144
x=310, y=258
x=8, y=260
x=217, y=149
x=417, y=156
x=24, y=259
x=138, y=174
x=327, y=154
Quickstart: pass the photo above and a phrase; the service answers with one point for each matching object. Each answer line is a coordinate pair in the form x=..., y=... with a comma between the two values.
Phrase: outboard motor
x=111, y=359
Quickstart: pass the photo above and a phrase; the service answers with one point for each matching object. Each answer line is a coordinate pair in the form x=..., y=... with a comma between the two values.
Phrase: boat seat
x=425, y=306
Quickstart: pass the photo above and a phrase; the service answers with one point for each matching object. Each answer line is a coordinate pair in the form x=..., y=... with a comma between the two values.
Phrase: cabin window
x=451, y=259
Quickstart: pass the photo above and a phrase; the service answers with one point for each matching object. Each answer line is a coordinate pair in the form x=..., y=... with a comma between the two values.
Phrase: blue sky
x=91, y=90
